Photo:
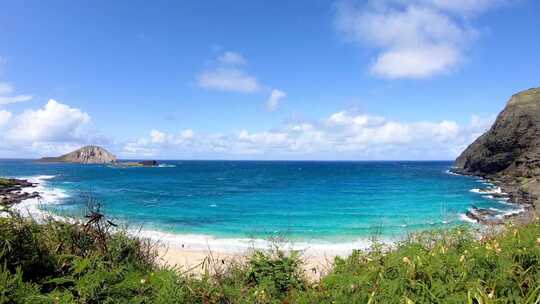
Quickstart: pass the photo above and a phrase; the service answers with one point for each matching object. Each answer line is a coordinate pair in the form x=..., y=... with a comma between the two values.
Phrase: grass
x=4, y=182
x=93, y=262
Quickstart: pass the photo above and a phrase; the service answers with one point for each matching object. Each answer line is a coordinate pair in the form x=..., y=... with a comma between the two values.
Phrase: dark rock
x=11, y=191
x=483, y=216
x=150, y=163
x=512, y=145
x=509, y=152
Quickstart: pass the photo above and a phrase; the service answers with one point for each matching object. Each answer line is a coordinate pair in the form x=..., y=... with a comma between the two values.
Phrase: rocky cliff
x=509, y=152
x=512, y=146
x=85, y=155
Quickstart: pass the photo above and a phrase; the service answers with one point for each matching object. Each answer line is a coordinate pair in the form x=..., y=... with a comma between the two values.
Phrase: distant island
x=84, y=155
x=96, y=155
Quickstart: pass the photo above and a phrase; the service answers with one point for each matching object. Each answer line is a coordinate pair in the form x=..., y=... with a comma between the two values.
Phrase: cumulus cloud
x=413, y=39
x=228, y=79
x=5, y=116
x=466, y=7
x=228, y=76
x=159, y=141
x=340, y=135
x=232, y=58
x=55, y=122
x=275, y=97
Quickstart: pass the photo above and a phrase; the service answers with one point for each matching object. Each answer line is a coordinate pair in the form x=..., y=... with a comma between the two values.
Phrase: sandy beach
x=199, y=261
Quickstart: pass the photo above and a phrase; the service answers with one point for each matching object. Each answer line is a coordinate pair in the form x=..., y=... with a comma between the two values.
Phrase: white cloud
x=466, y=7
x=416, y=63
x=4, y=100
x=228, y=76
x=275, y=97
x=5, y=116
x=228, y=79
x=159, y=141
x=232, y=58
x=341, y=135
x=414, y=39
x=157, y=136
x=263, y=138
x=55, y=122
x=5, y=89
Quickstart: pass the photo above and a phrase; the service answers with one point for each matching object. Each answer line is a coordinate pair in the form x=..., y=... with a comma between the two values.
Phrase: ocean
x=234, y=203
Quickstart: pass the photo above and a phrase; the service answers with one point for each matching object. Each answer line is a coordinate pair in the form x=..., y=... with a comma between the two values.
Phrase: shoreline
x=14, y=191
x=506, y=189
x=187, y=251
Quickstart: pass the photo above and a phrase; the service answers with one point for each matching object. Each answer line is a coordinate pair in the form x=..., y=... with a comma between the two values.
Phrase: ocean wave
x=166, y=166
x=515, y=211
x=491, y=190
x=32, y=207
x=451, y=173
x=464, y=218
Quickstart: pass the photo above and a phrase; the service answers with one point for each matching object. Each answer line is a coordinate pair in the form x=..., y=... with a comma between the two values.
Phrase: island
x=96, y=155
x=84, y=155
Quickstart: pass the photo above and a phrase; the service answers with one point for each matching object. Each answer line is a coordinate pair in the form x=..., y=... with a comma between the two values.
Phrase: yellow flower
x=143, y=281
x=538, y=241
x=461, y=259
x=406, y=260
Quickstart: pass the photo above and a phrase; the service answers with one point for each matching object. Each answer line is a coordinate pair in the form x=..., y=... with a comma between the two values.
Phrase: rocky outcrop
x=509, y=153
x=85, y=155
x=142, y=163
x=11, y=191
x=512, y=146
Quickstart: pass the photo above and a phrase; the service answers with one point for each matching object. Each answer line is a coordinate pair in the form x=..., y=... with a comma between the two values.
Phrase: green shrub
x=57, y=262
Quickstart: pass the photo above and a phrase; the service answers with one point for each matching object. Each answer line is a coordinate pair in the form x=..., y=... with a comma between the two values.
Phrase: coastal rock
x=149, y=163
x=142, y=163
x=11, y=191
x=509, y=152
x=512, y=146
x=85, y=155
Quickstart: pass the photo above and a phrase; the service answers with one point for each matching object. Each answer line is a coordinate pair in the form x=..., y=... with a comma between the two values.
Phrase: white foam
x=463, y=217
x=451, y=173
x=493, y=190
x=166, y=166
x=47, y=195
x=516, y=211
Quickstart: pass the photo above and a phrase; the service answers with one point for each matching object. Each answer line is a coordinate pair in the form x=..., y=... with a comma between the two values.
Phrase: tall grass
x=59, y=262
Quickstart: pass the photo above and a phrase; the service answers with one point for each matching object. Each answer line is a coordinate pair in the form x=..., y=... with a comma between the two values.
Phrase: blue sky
x=387, y=79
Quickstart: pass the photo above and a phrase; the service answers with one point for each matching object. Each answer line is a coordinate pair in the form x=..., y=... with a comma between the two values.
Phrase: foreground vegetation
x=58, y=262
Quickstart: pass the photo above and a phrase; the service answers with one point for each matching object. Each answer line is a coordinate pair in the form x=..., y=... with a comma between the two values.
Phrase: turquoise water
x=330, y=201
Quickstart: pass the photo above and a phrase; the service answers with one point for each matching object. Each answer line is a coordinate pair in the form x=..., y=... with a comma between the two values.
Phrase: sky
x=265, y=80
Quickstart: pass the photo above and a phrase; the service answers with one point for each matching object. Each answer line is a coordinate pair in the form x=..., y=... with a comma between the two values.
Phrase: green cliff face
x=511, y=148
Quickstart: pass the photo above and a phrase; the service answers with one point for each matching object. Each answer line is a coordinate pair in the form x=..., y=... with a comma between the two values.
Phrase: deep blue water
x=333, y=201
